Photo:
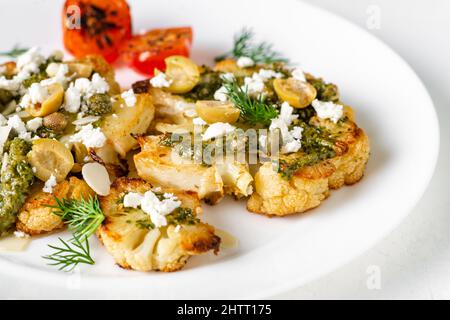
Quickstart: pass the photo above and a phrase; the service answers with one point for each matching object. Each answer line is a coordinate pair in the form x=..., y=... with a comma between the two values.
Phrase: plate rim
x=49, y=277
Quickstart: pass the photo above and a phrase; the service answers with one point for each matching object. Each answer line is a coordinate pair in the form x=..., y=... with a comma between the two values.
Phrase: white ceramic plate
x=280, y=253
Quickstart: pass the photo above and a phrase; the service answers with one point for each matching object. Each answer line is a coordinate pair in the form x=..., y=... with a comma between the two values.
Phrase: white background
x=414, y=259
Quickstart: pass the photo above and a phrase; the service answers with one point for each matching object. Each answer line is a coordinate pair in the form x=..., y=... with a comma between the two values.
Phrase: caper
x=55, y=121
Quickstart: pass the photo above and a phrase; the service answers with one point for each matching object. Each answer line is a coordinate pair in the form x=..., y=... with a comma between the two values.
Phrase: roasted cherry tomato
x=147, y=51
x=96, y=27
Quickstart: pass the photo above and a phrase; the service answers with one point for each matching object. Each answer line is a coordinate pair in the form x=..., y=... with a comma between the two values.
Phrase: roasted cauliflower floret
x=278, y=196
x=35, y=217
x=126, y=121
x=237, y=180
x=353, y=149
x=309, y=186
x=156, y=164
x=129, y=236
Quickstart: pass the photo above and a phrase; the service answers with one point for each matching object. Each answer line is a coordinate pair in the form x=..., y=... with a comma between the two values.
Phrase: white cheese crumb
x=38, y=93
x=298, y=74
x=72, y=99
x=198, y=121
x=221, y=94
x=34, y=124
x=160, y=80
x=253, y=85
x=218, y=129
x=157, y=209
x=245, y=62
x=177, y=228
x=17, y=124
x=227, y=76
x=91, y=137
x=30, y=60
x=267, y=74
x=132, y=200
x=129, y=97
x=20, y=234
x=328, y=110
x=49, y=184
x=115, y=116
x=291, y=138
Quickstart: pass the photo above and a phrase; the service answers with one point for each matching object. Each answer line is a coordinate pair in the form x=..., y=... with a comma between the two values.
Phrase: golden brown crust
x=310, y=185
x=35, y=217
x=160, y=249
x=155, y=164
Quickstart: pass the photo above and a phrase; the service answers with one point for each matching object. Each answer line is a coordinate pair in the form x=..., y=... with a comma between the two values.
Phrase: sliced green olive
x=217, y=111
x=298, y=94
x=183, y=73
x=50, y=157
x=51, y=104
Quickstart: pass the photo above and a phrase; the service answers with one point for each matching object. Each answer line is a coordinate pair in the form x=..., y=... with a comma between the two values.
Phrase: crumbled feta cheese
x=4, y=135
x=298, y=74
x=221, y=94
x=253, y=85
x=291, y=138
x=198, y=121
x=160, y=80
x=34, y=169
x=57, y=73
x=30, y=60
x=286, y=113
x=227, y=76
x=129, y=97
x=218, y=129
x=72, y=99
x=99, y=84
x=17, y=124
x=177, y=228
x=38, y=93
x=88, y=87
x=157, y=209
x=267, y=74
x=328, y=110
x=244, y=62
x=49, y=184
x=91, y=137
x=132, y=200
x=34, y=124
x=296, y=132
x=20, y=234
x=291, y=146
x=115, y=116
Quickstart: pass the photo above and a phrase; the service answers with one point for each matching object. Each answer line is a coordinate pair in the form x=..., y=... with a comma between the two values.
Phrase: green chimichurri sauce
x=15, y=179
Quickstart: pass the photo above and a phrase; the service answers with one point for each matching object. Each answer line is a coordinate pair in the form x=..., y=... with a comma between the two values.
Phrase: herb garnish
x=15, y=52
x=253, y=110
x=70, y=254
x=83, y=217
x=244, y=46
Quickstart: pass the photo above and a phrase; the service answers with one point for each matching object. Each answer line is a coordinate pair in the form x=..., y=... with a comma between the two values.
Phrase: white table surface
x=414, y=260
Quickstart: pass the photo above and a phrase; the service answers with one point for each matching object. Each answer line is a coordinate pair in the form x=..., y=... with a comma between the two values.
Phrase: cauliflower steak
x=135, y=243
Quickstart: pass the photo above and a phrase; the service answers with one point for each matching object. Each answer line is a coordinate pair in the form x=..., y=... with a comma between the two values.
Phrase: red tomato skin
x=147, y=51
x=103, y=27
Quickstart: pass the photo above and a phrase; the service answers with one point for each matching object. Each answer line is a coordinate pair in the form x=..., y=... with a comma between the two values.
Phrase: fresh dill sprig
x=83, y=217
x=70, y=254
x=253, y=110
x=14, y=52
x=244, y=46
